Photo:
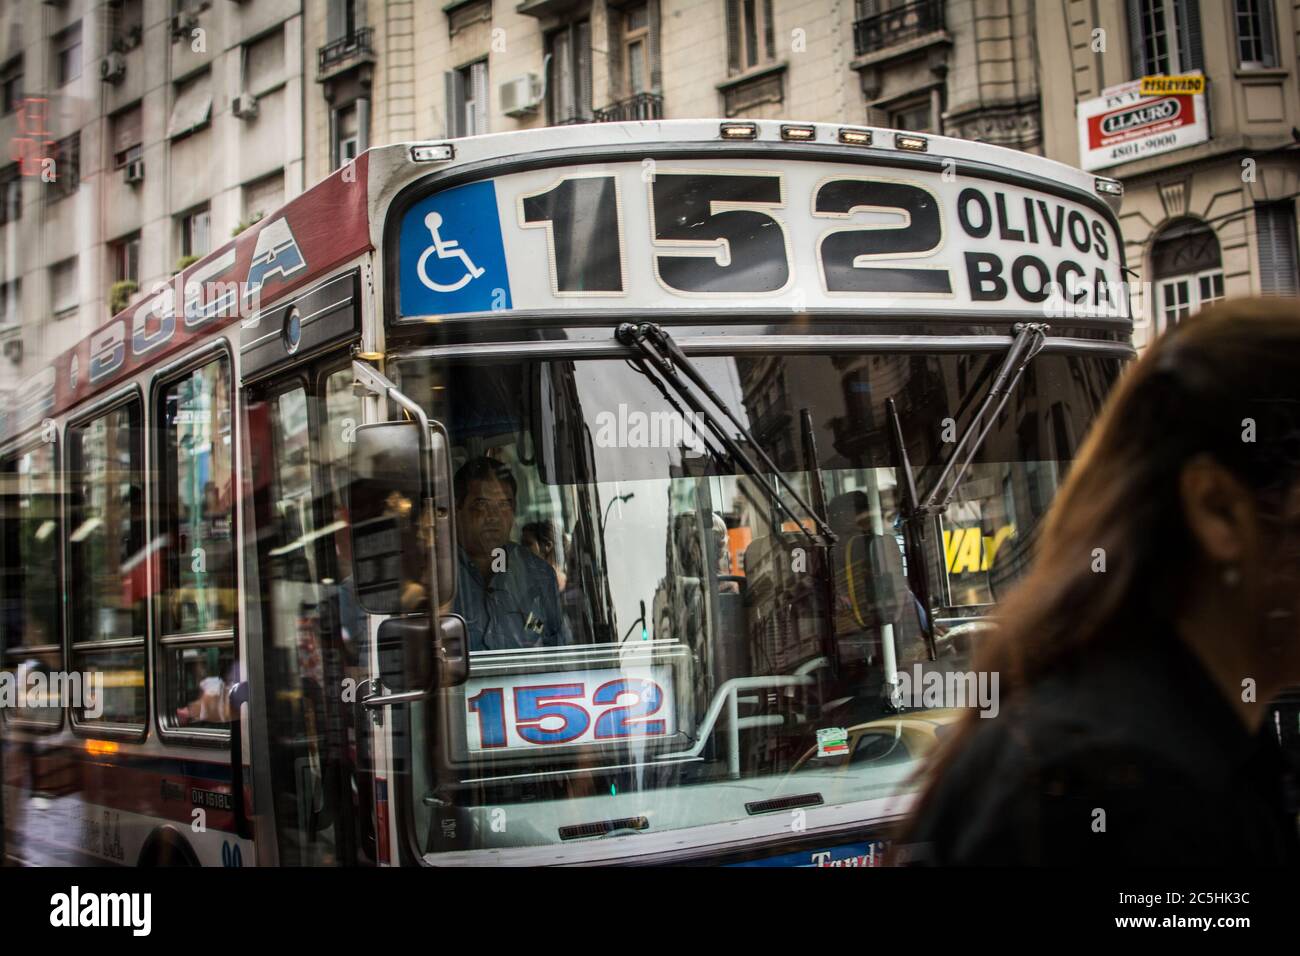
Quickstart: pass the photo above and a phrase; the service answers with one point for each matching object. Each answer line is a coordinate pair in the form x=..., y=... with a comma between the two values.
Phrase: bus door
x=314, y=633
x=313, y=653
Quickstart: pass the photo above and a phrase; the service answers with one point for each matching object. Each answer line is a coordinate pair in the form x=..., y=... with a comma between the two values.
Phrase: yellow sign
x=1191, y=84
x=968, y=550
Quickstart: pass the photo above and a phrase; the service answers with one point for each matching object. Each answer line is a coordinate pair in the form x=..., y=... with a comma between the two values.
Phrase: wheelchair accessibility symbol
x=445, y=249
x=453, y=257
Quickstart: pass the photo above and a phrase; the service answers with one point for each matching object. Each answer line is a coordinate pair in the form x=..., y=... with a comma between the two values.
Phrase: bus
x=605, y=494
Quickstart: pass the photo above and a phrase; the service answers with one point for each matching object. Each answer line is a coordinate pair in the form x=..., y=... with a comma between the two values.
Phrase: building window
x=106, y=611
x=636, y=49
x=10, y=302
x=568, y=84
x=467, y=14
x=915, y=116
x=64, y=295
x=1256, y=48
x=1275, y=232
x=467, y=100
x=126, y=24
x=263, y=196
x=351, y=128
x=127, y=131
x=66, y=55
x=342, y=19
x=264, y=63
x=124, y=259
x=11, y=194
x=67, y=167
x=192, y=106
x=11, y=86
x=1188, y=270
x=196, y=232
x=1164, y=36
x=751, y=34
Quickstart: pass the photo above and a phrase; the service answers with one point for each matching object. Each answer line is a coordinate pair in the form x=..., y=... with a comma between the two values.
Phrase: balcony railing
x=337, y=54
x=897, y=26
x=642, y=106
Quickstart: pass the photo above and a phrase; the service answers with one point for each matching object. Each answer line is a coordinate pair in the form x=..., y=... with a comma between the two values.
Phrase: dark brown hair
x=1225, y=383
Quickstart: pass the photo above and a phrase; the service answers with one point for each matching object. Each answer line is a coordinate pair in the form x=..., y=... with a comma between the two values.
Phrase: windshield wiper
x=1029, y=341
x=660, y=351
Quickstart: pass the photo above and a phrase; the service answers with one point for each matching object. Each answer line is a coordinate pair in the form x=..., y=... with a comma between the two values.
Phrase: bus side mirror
x=389, y=491
x=408, y=654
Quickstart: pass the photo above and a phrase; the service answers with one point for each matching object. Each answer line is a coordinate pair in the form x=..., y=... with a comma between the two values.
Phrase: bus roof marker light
x=916, y=144
x=435, y=153
x=798, y=134
x=855, y=137
x=739, y=131
x=1111, y=187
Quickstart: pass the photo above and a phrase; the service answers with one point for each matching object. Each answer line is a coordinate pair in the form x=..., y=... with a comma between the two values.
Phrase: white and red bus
x=580, y=495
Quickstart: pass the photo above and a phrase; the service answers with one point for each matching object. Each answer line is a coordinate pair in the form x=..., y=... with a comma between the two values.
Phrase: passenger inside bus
x=508, y=596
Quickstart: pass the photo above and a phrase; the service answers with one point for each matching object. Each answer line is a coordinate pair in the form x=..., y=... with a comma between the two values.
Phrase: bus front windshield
x=655, y=643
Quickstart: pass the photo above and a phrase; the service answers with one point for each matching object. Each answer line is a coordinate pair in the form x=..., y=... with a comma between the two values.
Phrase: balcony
x=642, y=106
x=896, y=26
x=339, y=56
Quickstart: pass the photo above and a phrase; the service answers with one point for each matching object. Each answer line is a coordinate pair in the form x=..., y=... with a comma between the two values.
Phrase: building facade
x=141, y=132
x=405, y=70
x=1215, y=215
x=138, y=133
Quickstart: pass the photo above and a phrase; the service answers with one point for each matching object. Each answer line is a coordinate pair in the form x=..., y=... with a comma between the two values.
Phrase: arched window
x=1187, y=269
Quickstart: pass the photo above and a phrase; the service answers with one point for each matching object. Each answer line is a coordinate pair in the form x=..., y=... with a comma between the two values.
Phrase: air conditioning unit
x=244, y=106
x=183, y=25
x=522, y=95
x=112, y=68
x=135, y=171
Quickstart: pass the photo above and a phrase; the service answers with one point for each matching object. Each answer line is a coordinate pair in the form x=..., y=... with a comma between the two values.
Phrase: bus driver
x=508, y=596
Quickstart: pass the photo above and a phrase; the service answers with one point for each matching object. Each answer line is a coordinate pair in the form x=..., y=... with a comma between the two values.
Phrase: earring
x=1231, y=575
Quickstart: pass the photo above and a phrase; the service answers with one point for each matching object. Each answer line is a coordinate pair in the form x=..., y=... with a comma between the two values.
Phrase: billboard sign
x=1126, y=124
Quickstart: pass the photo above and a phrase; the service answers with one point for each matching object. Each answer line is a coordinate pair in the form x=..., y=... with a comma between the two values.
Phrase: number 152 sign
x=536, y=711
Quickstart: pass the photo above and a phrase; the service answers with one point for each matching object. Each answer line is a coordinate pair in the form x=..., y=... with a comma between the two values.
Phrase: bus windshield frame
x=472, y=779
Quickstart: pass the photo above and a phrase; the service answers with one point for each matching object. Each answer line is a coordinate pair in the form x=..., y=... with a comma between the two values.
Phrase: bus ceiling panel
x=322, y=318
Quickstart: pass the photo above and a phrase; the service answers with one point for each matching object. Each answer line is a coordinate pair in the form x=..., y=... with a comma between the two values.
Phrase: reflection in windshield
x=655, y=644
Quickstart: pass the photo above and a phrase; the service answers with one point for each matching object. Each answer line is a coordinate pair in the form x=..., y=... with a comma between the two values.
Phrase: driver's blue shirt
x=517, y=607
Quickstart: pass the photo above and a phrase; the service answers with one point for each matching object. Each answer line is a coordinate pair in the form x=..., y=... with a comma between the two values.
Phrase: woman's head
x=1183, y=501
x=1185, y=490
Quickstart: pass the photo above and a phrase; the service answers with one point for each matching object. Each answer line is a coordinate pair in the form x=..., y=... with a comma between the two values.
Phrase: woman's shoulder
x=1044, y=783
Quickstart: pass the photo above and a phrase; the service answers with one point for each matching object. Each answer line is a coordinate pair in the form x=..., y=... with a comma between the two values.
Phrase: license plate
x=566, y=708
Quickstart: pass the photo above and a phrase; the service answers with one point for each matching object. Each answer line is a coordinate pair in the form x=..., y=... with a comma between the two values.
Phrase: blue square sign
x=452, y=256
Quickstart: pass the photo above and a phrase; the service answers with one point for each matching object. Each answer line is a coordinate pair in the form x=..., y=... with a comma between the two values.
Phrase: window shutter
x=582, y=56
x=455, y=90
x=1189, y=35
x=652, y=12
x=1268, y=32
x=335, y=21
x=733, y=36
x=769, y=30
x=478, y=75
x=1137, y=61
x=127, y=129
x=1275, y=235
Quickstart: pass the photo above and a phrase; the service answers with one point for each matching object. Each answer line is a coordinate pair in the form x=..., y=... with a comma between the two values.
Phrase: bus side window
x=105, y=538
x=197, y=659
x=30, y=635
